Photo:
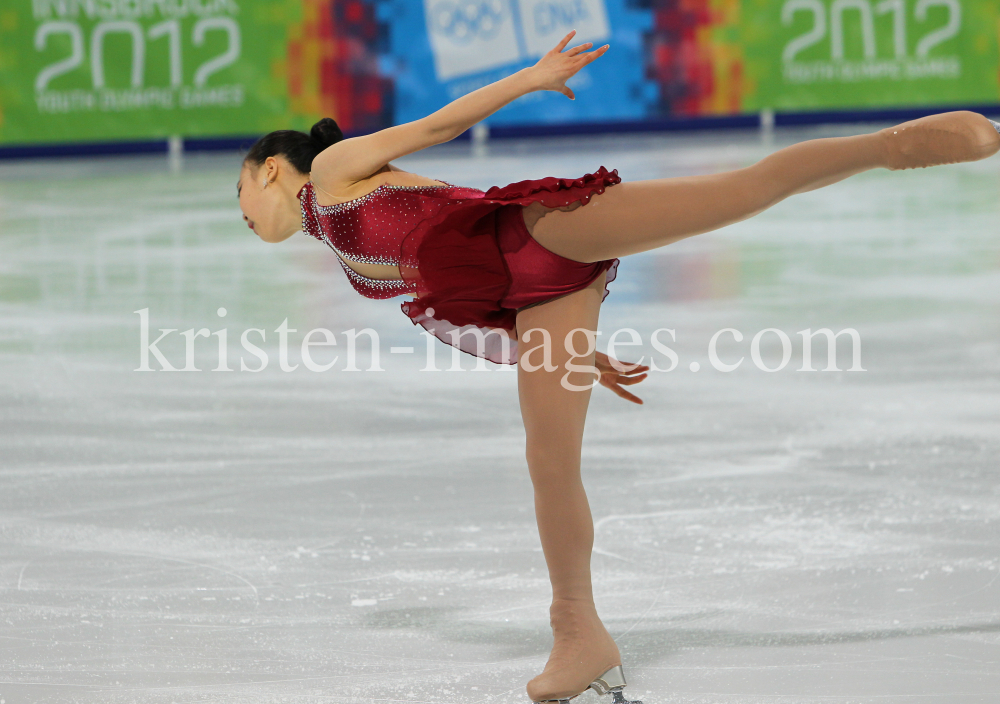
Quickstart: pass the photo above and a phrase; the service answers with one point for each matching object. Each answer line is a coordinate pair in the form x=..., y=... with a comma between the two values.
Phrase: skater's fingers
x=629, y=368
x=621, y=364
x=627, y=396
x=565, y=40
x=611, y=382
x=629, y=380
x=596, y=53
x=577, y=49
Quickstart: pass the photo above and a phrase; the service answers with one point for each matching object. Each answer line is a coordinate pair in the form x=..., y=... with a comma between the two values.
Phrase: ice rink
x=787, y=537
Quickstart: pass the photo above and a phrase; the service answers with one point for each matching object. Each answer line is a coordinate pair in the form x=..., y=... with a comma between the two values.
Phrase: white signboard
x=547, y=21
x=471, y=36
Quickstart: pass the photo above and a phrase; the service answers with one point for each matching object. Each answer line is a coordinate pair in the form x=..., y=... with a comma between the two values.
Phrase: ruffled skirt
x=474, y=264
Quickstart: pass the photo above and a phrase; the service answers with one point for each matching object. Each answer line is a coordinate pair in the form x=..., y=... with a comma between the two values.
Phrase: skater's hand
x=614, y=379
x=556, y=67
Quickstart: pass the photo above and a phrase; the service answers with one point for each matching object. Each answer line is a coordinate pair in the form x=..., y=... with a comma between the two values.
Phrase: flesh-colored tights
x=633, y=217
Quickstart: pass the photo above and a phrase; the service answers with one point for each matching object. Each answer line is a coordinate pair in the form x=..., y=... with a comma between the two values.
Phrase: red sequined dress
x=466, y=254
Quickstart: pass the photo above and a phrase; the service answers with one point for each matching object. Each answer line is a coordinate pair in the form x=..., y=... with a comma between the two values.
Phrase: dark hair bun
x=298, y=147
x=326, y=132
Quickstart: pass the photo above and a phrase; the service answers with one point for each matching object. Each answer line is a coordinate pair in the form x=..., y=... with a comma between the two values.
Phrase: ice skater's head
x=274, y=171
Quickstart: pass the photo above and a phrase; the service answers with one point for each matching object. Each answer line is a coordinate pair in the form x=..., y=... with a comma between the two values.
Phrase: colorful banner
x=79, y=71
x=834, y=54
x=102, y=70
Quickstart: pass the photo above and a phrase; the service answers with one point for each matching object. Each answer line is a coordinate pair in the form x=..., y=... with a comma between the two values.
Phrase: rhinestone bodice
x=447, y=243
x=370, y=229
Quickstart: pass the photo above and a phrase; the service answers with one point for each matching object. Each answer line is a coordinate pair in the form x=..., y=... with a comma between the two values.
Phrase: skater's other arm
x=350, y=161
x=613, y=374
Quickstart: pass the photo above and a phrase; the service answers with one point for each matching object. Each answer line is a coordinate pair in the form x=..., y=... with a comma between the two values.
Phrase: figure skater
x=512, y=273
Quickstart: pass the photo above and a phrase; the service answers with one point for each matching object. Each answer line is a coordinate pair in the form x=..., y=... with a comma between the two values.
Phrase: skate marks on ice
x=362, y=537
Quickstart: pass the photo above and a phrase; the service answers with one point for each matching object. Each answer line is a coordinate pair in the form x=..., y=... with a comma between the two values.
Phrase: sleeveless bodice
x=445, y=242
x=371, y=229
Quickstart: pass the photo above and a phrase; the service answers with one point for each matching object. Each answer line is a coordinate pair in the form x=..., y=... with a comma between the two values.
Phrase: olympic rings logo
x=463, y=21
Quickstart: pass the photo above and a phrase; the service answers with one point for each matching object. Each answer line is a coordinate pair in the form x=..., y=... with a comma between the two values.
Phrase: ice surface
x=825, y=537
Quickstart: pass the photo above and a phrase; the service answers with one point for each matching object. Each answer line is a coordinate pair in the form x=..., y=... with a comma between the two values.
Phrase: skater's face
x=264, y=193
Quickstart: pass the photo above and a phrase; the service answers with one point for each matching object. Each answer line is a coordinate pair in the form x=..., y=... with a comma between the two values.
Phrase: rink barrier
x=35, y=151
x=764, y=120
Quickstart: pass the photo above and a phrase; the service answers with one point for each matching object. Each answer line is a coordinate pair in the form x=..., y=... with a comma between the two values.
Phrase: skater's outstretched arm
x=352, y=160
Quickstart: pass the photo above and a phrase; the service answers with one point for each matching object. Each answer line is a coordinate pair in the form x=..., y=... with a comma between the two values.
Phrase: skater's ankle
x=573, y=599
x=572, y=603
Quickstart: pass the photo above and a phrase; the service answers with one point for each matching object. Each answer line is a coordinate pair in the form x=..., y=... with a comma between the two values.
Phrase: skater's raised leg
x=635, y=216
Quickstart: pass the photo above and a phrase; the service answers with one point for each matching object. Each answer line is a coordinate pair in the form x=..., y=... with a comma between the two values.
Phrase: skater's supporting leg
x=636, y=216
x=554, y=419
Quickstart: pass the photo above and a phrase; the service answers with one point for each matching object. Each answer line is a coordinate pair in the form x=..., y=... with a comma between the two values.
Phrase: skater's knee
x=552, y=453
x=552, y=461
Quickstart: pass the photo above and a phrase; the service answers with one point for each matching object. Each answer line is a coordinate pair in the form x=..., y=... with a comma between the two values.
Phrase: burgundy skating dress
x=466, y=254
